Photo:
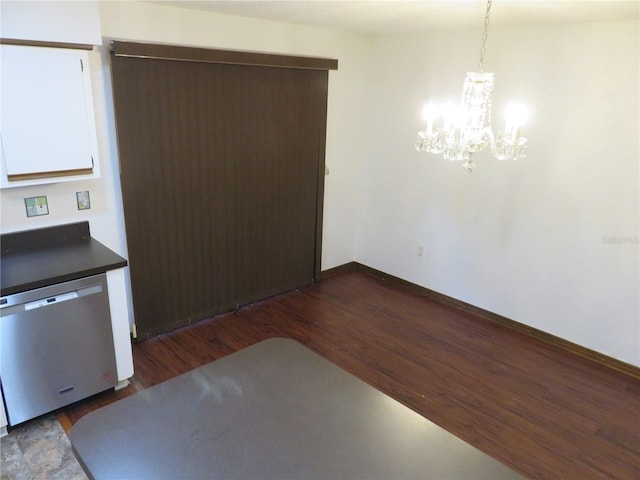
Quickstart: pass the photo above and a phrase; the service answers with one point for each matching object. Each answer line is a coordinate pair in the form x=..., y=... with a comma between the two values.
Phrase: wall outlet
x=421, y=250
x=36, y=206
x=83, y=200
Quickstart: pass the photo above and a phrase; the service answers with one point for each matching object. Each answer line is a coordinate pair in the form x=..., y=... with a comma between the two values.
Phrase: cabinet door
x=46, y=124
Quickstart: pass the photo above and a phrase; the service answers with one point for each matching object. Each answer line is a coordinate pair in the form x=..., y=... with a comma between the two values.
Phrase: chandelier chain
x=484, y=35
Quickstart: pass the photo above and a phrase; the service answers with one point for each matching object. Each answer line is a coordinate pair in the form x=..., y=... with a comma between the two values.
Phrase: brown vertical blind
x=222, y=179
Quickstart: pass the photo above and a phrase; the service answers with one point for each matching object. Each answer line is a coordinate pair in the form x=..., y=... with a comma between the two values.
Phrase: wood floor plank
x=544, y=412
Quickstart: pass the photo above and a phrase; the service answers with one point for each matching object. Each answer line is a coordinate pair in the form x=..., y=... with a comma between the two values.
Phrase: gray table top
x=275, y=410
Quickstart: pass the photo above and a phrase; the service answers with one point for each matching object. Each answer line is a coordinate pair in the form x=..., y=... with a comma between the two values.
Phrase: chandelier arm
x=484, y=35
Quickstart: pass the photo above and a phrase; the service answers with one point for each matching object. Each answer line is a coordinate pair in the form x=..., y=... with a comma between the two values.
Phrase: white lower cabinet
x=120, y=323
x=3, y=417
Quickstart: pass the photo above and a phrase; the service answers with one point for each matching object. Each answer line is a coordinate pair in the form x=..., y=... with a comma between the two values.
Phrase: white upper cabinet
x=47, y=125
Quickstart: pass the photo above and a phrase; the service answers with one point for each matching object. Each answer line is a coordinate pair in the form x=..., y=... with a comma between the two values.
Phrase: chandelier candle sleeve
x=430, y=113
x=447, y=113
x=515, y=115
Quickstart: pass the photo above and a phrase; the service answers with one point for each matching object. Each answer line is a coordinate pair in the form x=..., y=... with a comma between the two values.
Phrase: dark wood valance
x=208, y=55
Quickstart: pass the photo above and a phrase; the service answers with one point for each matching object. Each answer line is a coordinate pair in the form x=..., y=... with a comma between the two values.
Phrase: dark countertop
x=38, y=258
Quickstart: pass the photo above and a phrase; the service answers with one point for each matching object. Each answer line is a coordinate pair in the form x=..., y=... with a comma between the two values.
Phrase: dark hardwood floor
x=542, y=411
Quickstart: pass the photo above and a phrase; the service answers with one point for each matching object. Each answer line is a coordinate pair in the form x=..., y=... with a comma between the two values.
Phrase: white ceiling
x=384, y=17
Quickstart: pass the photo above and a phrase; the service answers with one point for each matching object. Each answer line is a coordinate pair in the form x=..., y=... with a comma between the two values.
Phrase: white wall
x=529, y=240
x=59, y=21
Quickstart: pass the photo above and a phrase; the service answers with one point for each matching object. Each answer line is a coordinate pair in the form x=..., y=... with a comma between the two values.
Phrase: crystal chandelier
x=466, y=128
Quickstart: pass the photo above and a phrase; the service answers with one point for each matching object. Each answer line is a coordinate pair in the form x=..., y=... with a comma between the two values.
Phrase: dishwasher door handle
x=16, y=304
x=43, y=302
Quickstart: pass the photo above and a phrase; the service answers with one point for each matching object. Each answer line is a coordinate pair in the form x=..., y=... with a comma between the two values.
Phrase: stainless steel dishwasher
x=56, y=346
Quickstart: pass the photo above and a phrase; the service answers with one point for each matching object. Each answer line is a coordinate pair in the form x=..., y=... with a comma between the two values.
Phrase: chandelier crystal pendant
x=466, y=128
